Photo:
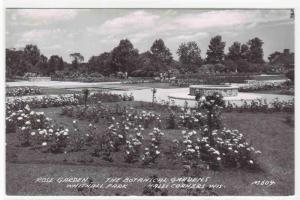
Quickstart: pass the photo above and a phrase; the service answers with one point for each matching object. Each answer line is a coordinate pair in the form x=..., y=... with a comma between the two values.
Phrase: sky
x=94, y=31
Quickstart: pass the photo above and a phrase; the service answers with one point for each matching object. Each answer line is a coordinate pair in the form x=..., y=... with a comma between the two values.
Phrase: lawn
x=267, y=132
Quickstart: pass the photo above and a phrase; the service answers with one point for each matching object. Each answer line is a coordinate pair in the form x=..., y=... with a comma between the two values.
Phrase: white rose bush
x=22, y=91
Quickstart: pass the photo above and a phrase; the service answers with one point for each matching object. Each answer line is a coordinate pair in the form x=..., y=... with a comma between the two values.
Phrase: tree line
x=125, y=57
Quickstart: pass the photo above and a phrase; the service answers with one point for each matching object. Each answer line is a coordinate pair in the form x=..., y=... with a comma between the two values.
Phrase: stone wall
x=225, y=91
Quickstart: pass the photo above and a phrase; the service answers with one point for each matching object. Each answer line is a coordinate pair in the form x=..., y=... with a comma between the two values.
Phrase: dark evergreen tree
x=215, y=52
x=234, y=51
x=161, y=52
x=256, y=52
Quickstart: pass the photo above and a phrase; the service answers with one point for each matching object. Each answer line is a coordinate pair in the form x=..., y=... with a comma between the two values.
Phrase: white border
x=150, y=4
x=143, y=4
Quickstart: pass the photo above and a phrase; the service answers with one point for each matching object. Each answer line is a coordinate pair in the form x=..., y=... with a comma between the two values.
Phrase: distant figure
x=126, y=75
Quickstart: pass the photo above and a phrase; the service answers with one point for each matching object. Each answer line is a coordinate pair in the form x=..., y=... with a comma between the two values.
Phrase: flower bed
x=197, y=79
x=22, y=91
x=262, y=106
x=138, y=81
x=264, y=85
x=230, y=150
x=109, y=97
x=40, y=102
x=96, y=112
x=24, y=118
x=18, y=103
x=102, y=96
x=204, y=146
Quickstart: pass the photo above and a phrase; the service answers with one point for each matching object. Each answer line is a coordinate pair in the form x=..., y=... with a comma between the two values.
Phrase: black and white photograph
x=149, y=101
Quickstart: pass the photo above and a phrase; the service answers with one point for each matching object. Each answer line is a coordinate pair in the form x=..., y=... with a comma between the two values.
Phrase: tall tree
x=77, y=59
x=245, y=52
x=149, y=65
x=55, y=63
x=256, y=51
x=100, y=63
x=161, y=52
x=273, y=55
x=42, y=65
x=234, y=51
x=124, y=57
x=215, y=52
x=13, y=63
x=32, y=54
x=189, y=56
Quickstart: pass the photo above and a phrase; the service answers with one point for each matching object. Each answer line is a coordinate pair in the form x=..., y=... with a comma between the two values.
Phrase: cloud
x=138, y=37
x=280, y=23
x=223, y=18
x=194, y=36
x=36, y=35
x=209, y=19
x=36, y=17
x=53, y=47
x=135, y=21
x=138, y=18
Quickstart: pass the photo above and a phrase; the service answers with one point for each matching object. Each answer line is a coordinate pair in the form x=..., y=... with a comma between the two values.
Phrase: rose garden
x=139, y=123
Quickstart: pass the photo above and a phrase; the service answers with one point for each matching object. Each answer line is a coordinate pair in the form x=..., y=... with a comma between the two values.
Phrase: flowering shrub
x=191, y=151
x=81, y=77
x=26, y=119
x=160, y=106
x=103, y=147
x=51, y=137
x=185, y=80
x=230, y=149
x=35, y=129
x=22, y=91
x=262, y=106
x=95, y=112
x=235, y=150
x=263, y=85
x=117, y=134
x=133, y=145
x=77, y=139
x=56, y=139
x=91, y=135
x=283, y=106
x=171, y=120
x=89, y=112
x=104, y=96
x=212, y=105
x=145, y=118
x=152, y=152
x=192, y=119
x=210, y=147
x=41, y=102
